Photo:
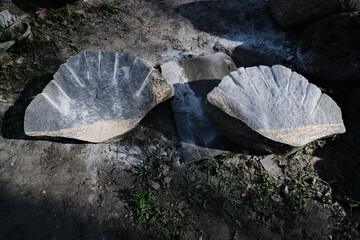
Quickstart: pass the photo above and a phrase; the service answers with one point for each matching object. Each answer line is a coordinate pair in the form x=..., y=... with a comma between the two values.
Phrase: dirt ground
x=64, y=189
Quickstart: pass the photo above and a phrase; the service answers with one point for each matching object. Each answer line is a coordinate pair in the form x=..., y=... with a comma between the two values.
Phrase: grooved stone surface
x=271, y=108
x=193, y=79
x=95, y=96
x=6, y=19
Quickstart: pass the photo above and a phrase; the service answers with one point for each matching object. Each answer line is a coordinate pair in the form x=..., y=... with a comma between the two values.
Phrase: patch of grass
x=246, y=188
x=172, y=222
x=311, y=147
x=158, y=214
x=106, y=7
x=228, y=187
x=61, y=19
x=14, y=78
x=156, y=162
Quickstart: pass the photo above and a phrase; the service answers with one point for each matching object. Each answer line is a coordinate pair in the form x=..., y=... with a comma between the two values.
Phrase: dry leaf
x=41, y=13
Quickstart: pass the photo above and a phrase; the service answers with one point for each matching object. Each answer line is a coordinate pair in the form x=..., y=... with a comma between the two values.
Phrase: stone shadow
x=13, y=121
x=248, y=24
x=339, y=161
x=32, y=5
x=24, y=219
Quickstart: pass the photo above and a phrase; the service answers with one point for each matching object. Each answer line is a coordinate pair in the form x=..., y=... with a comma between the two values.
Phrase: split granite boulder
x=193, y=79
x=272, y=109
x=329, y=49
x=96, y=96
x=295, y=13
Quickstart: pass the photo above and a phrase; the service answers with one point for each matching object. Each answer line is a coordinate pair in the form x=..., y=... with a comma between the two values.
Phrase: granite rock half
x=272, y=109
x=96, y=96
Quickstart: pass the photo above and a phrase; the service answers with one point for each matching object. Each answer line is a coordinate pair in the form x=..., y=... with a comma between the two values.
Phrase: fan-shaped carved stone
x=95, y=96
x=272, y=108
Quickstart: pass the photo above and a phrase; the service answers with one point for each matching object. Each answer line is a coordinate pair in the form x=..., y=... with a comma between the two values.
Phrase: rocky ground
x=138, y=188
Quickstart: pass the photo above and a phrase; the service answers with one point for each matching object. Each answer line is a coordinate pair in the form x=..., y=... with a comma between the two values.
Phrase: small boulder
x=295, y=13
x=272, y=109
x=96, y=96
x=330, y=49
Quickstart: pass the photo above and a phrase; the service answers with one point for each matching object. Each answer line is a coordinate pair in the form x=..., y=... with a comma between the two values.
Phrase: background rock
x=330, y=50
x=245, y=28
x=96, y=96
x=272, y=109
x=354, y=97
x=193, y=79
x=293, y=13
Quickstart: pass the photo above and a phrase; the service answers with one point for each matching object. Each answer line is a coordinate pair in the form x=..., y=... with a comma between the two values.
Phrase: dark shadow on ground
x=246, y=21
x=13, y=121
x=340, y=159
x=13, y=126
x=161, y=120
x=32, y=5
x=192, y=122
x=22, y=219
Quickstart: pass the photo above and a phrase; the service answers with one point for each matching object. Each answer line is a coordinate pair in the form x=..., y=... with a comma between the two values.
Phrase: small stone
x=153, y=184
x=270, y=166
x=272, y=109
x=96, y=96
x=182, y=205
x=167, y=180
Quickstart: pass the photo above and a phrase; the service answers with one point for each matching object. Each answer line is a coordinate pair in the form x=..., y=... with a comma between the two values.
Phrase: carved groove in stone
x=95, y=96
x=277, y=103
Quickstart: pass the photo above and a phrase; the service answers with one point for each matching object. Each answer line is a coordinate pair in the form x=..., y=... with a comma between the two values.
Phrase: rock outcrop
x=330, y=49
x=272, y=109
x=294, y=13
x=96, y=96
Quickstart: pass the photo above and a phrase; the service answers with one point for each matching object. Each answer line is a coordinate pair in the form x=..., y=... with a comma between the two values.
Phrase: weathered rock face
x=245, y=28
x=330, y=50
x=96, y=96
x=293, y=13
x=193, y=79
x=354, y=97
x=272, y=109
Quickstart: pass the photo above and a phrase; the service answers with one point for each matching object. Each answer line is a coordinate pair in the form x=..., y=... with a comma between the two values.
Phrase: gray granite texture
x=272, y=109
x=96, y=96
x=6, y=19
x=329, y=49
x=295, y=13
x=193, y=79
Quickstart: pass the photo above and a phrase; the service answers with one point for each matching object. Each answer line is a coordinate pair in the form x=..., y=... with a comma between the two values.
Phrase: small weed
x=310, y=148
x=171, y=221
x=148, y=209
x=61, y=19
x=106, y=8
x=156, y=162
x=327, y=90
